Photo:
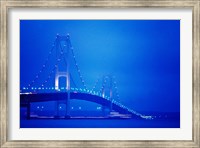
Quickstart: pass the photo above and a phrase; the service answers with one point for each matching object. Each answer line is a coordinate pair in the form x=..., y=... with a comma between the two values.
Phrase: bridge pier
x=56, y=115
x=103, y=111
x=111, y=105
x=64, y=73
x=107, y=87
x=67, y=110
x=28, y=111
x=67, y=114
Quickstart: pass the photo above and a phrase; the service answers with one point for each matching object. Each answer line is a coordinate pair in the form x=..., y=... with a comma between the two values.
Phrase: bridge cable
x=52, y=70
x=78, y=69
x=43, y=67
x=95, y=85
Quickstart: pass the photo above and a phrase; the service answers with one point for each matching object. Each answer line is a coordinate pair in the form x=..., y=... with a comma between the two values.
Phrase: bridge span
x=62, y=50
x=26, y=99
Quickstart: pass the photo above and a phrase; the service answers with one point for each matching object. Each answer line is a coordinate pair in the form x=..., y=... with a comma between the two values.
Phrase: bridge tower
x=63, y=46
x=107, y=88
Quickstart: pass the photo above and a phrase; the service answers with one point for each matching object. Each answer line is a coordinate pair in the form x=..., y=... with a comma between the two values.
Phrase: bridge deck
x=26, y=99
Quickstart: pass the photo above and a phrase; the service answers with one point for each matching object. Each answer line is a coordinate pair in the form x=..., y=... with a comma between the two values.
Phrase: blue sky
x=143, y=55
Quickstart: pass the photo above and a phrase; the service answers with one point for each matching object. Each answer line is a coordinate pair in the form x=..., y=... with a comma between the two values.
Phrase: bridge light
x=24, y=87
x=52, y=88
x=38, y=107
x=79, y=107
x=72, y=107
x=39, y=88
x=43, y=65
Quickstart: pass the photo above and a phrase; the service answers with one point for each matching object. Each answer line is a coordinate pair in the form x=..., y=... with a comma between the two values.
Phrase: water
x=98, y=123
x=162, y=120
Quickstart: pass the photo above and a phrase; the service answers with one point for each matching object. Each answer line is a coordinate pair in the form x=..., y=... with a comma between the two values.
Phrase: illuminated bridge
x=39, y=90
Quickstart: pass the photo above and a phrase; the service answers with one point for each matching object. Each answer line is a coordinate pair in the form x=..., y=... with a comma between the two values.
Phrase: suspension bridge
x=46, y=85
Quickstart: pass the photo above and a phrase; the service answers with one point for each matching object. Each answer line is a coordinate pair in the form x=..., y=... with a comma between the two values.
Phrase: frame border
x=5, y=5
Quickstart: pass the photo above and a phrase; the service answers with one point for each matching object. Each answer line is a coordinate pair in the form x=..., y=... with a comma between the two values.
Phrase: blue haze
x=143, y=55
